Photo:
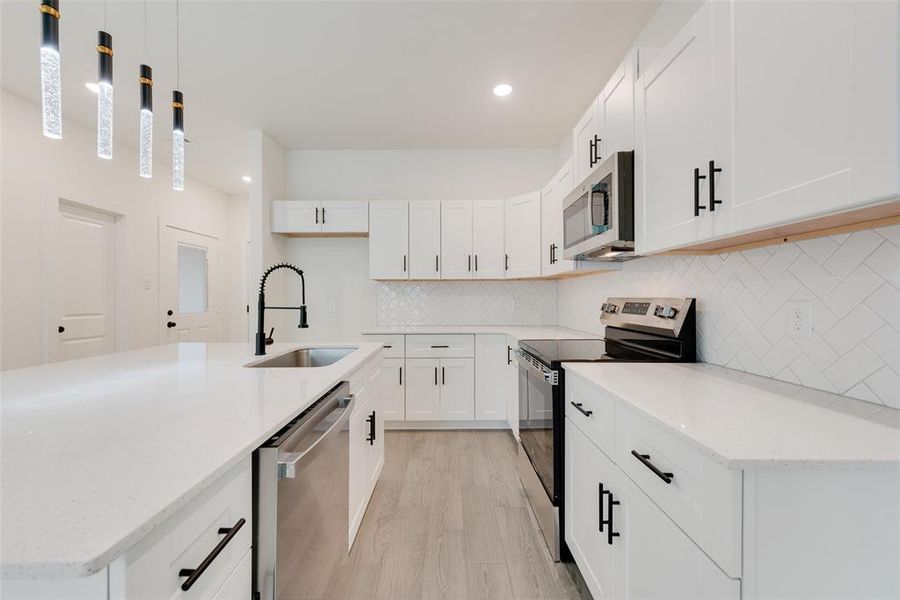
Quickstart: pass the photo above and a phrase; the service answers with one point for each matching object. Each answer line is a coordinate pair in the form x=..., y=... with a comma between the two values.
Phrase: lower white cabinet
x=393, y=390
x=440, y=389
x=491, y=354
x=366, y=441
x=510, y=385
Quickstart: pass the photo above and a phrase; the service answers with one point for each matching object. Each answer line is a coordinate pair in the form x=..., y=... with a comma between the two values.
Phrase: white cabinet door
x=423, y=392
x=424, y=240
x=552, y=242
x=487, y=239
x=296, y=216
x=662, y=562
x=523, y=235
x=345, y=216
x=593, y=486
x=456, y=240
x=457, y=376
x=811, y=92
x=616, y=109
x=393, y=393
x=674, y=137
x=585, y=137
x=388, y=240
x=490, y=376
x=511, y=385
x=359, y=465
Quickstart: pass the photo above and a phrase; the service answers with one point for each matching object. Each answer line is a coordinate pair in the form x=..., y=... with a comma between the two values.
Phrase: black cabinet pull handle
x=443, y=376
x=323, y=214
x=435, y=376
x=476, y=262
x=578, y=406
x=170, y=324
x=404, y=263
x=440, y=346
x=388, y=346
x=506, y=262
x=470, y=263
x=61, y=329
x=508, y=355
x=194, y=574
x=592, y=150
x=645, y=459
x=597, y=157
x=610, y=534
x=317, y=215
x=371, y=421
x=169, y=313
x=712, y=185
x=697, y=205
x=600, y=494
x=401, y=375
x=436, y=265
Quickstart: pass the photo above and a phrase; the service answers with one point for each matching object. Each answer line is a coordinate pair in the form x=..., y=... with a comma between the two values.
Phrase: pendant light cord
x=146, y=45
x=178, y=44
x=104, y=15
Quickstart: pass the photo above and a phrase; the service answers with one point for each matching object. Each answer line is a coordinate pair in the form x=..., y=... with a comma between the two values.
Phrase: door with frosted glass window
x=189, y=308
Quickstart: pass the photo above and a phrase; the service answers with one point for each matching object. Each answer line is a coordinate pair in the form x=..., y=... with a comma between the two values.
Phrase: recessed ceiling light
x=93, y=87
x=502, y=89
x=246, y=179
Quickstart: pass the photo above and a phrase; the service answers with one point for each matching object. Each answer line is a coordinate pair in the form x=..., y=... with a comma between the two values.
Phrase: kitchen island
x=98, y=453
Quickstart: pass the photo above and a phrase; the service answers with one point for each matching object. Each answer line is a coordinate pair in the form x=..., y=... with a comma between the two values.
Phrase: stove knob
x=665, y=312
x=609, y=308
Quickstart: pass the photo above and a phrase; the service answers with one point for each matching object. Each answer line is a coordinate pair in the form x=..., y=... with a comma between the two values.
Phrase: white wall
x=36, y=172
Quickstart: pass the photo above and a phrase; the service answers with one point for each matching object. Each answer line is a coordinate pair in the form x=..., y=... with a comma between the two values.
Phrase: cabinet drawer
x=150, y=569
x=440, y=346
x=600, y=424
x=394, y=346
x=701, y=496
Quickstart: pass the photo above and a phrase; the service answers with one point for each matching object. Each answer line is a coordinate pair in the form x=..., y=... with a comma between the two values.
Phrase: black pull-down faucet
x=261, y=339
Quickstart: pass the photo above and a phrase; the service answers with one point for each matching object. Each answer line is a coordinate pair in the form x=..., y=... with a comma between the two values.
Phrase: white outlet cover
x=798, y=317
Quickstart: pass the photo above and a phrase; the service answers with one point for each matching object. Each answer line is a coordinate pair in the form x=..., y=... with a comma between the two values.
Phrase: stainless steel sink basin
x=305, y=357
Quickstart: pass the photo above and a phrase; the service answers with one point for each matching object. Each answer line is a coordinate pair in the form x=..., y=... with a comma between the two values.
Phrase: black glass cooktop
x=549, y=351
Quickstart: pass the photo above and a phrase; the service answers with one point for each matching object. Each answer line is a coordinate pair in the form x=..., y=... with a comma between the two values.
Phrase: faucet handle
x=269, y=339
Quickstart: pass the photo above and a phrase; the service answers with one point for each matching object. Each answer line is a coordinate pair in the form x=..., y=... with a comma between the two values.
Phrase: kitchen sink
x=305, y=357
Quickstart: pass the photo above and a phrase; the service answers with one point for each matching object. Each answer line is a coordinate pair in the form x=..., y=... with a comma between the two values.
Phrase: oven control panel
x=660, y=315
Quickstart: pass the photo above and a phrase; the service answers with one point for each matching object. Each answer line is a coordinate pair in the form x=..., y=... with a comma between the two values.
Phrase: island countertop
x=98, y=452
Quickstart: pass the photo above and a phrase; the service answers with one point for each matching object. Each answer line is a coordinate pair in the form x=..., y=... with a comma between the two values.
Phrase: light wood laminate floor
x=449, y=519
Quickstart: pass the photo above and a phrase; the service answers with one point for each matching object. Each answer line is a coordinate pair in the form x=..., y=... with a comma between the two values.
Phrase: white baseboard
x=399, y=425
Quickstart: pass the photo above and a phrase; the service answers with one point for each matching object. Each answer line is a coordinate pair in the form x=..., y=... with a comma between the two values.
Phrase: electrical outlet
x=332, y=306
x=799, y=320
x=515, y=304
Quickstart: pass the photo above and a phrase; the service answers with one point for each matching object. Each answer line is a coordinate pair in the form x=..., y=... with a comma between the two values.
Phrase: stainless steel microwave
x=598, y=216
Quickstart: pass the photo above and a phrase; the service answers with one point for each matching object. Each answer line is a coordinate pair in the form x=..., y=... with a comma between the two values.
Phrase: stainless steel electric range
x=637, y=330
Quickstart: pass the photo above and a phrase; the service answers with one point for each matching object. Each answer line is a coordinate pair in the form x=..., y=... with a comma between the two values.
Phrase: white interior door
x=188, y=295
x=83, y=302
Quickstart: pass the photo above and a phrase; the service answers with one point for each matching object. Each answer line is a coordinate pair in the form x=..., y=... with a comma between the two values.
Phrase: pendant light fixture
x=104, y=94
x=177, y=113
x=145, y=79
x=51, y=88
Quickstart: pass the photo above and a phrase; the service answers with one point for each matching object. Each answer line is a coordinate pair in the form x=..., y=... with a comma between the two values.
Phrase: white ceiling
x=336, y=74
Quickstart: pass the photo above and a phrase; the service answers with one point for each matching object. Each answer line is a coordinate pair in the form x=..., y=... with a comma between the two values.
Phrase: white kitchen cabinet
x=592, y=482
x=423, y=392
x=393, y=391
x=810, y=107
x=552, y=243
x=674, y=135
x=311, y=217
x=366, y=433
x=424, y=240
x=456, y=240
x=389, y=240
x=586, y=137
x=487, y=239
x=615, y=109
x=523, y=236
x=491, y=352
x=457, y=389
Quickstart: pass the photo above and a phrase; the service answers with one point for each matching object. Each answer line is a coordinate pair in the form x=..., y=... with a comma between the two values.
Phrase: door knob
x=61, y=329
x=170, y=324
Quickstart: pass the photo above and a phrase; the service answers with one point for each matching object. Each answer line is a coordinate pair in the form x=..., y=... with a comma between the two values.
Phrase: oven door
x=538, y=396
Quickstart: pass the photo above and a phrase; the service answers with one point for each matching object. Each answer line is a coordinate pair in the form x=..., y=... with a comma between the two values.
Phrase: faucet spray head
x=303, y=324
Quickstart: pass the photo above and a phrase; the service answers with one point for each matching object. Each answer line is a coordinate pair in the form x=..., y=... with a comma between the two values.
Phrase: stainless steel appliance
x=637, y=329
x=598, y=215
x=302, y=498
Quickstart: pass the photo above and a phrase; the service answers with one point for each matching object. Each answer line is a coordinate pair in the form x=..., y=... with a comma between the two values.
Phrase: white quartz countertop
x=520, y=332
x=749, y=422
x=98, y=452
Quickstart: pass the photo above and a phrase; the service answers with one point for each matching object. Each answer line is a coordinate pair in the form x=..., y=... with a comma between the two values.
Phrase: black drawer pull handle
x=610, y=534
x=388, y=346
x=645, y=459
x=194, y=574
x=371, y=421
x=401, y=375
x=713, y=169
x=578, y=406
x=317, y=215
x=441, y=346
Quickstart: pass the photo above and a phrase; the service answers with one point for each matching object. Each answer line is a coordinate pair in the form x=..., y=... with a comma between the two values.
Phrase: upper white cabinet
x=552, y=197
x=487, y=239
x=586, y=138
x=309, y=217
x=523, y=235
x=456, y=240
x=615, y=109
x=424, y=240
x=389, y=240
x=761, y=114
x=674, y=139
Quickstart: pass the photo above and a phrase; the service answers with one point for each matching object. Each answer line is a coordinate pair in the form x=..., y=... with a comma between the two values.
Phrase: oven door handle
x=531, y=364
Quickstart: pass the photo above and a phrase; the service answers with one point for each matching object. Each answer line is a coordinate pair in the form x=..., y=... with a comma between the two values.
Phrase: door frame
x=53, y=202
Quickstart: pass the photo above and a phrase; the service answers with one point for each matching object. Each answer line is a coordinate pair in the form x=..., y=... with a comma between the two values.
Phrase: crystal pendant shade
x=51, y=93
x=178, y=160
x=146, y=144
x=105, y=120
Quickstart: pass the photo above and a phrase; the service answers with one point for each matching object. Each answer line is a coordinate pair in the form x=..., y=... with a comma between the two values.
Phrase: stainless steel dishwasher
x=302, y=478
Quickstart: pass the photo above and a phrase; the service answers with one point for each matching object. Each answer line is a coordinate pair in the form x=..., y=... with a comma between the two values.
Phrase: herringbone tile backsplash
x=851, y=281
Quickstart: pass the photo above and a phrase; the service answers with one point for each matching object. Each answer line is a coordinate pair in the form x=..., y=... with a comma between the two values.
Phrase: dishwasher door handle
x=289, y=463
